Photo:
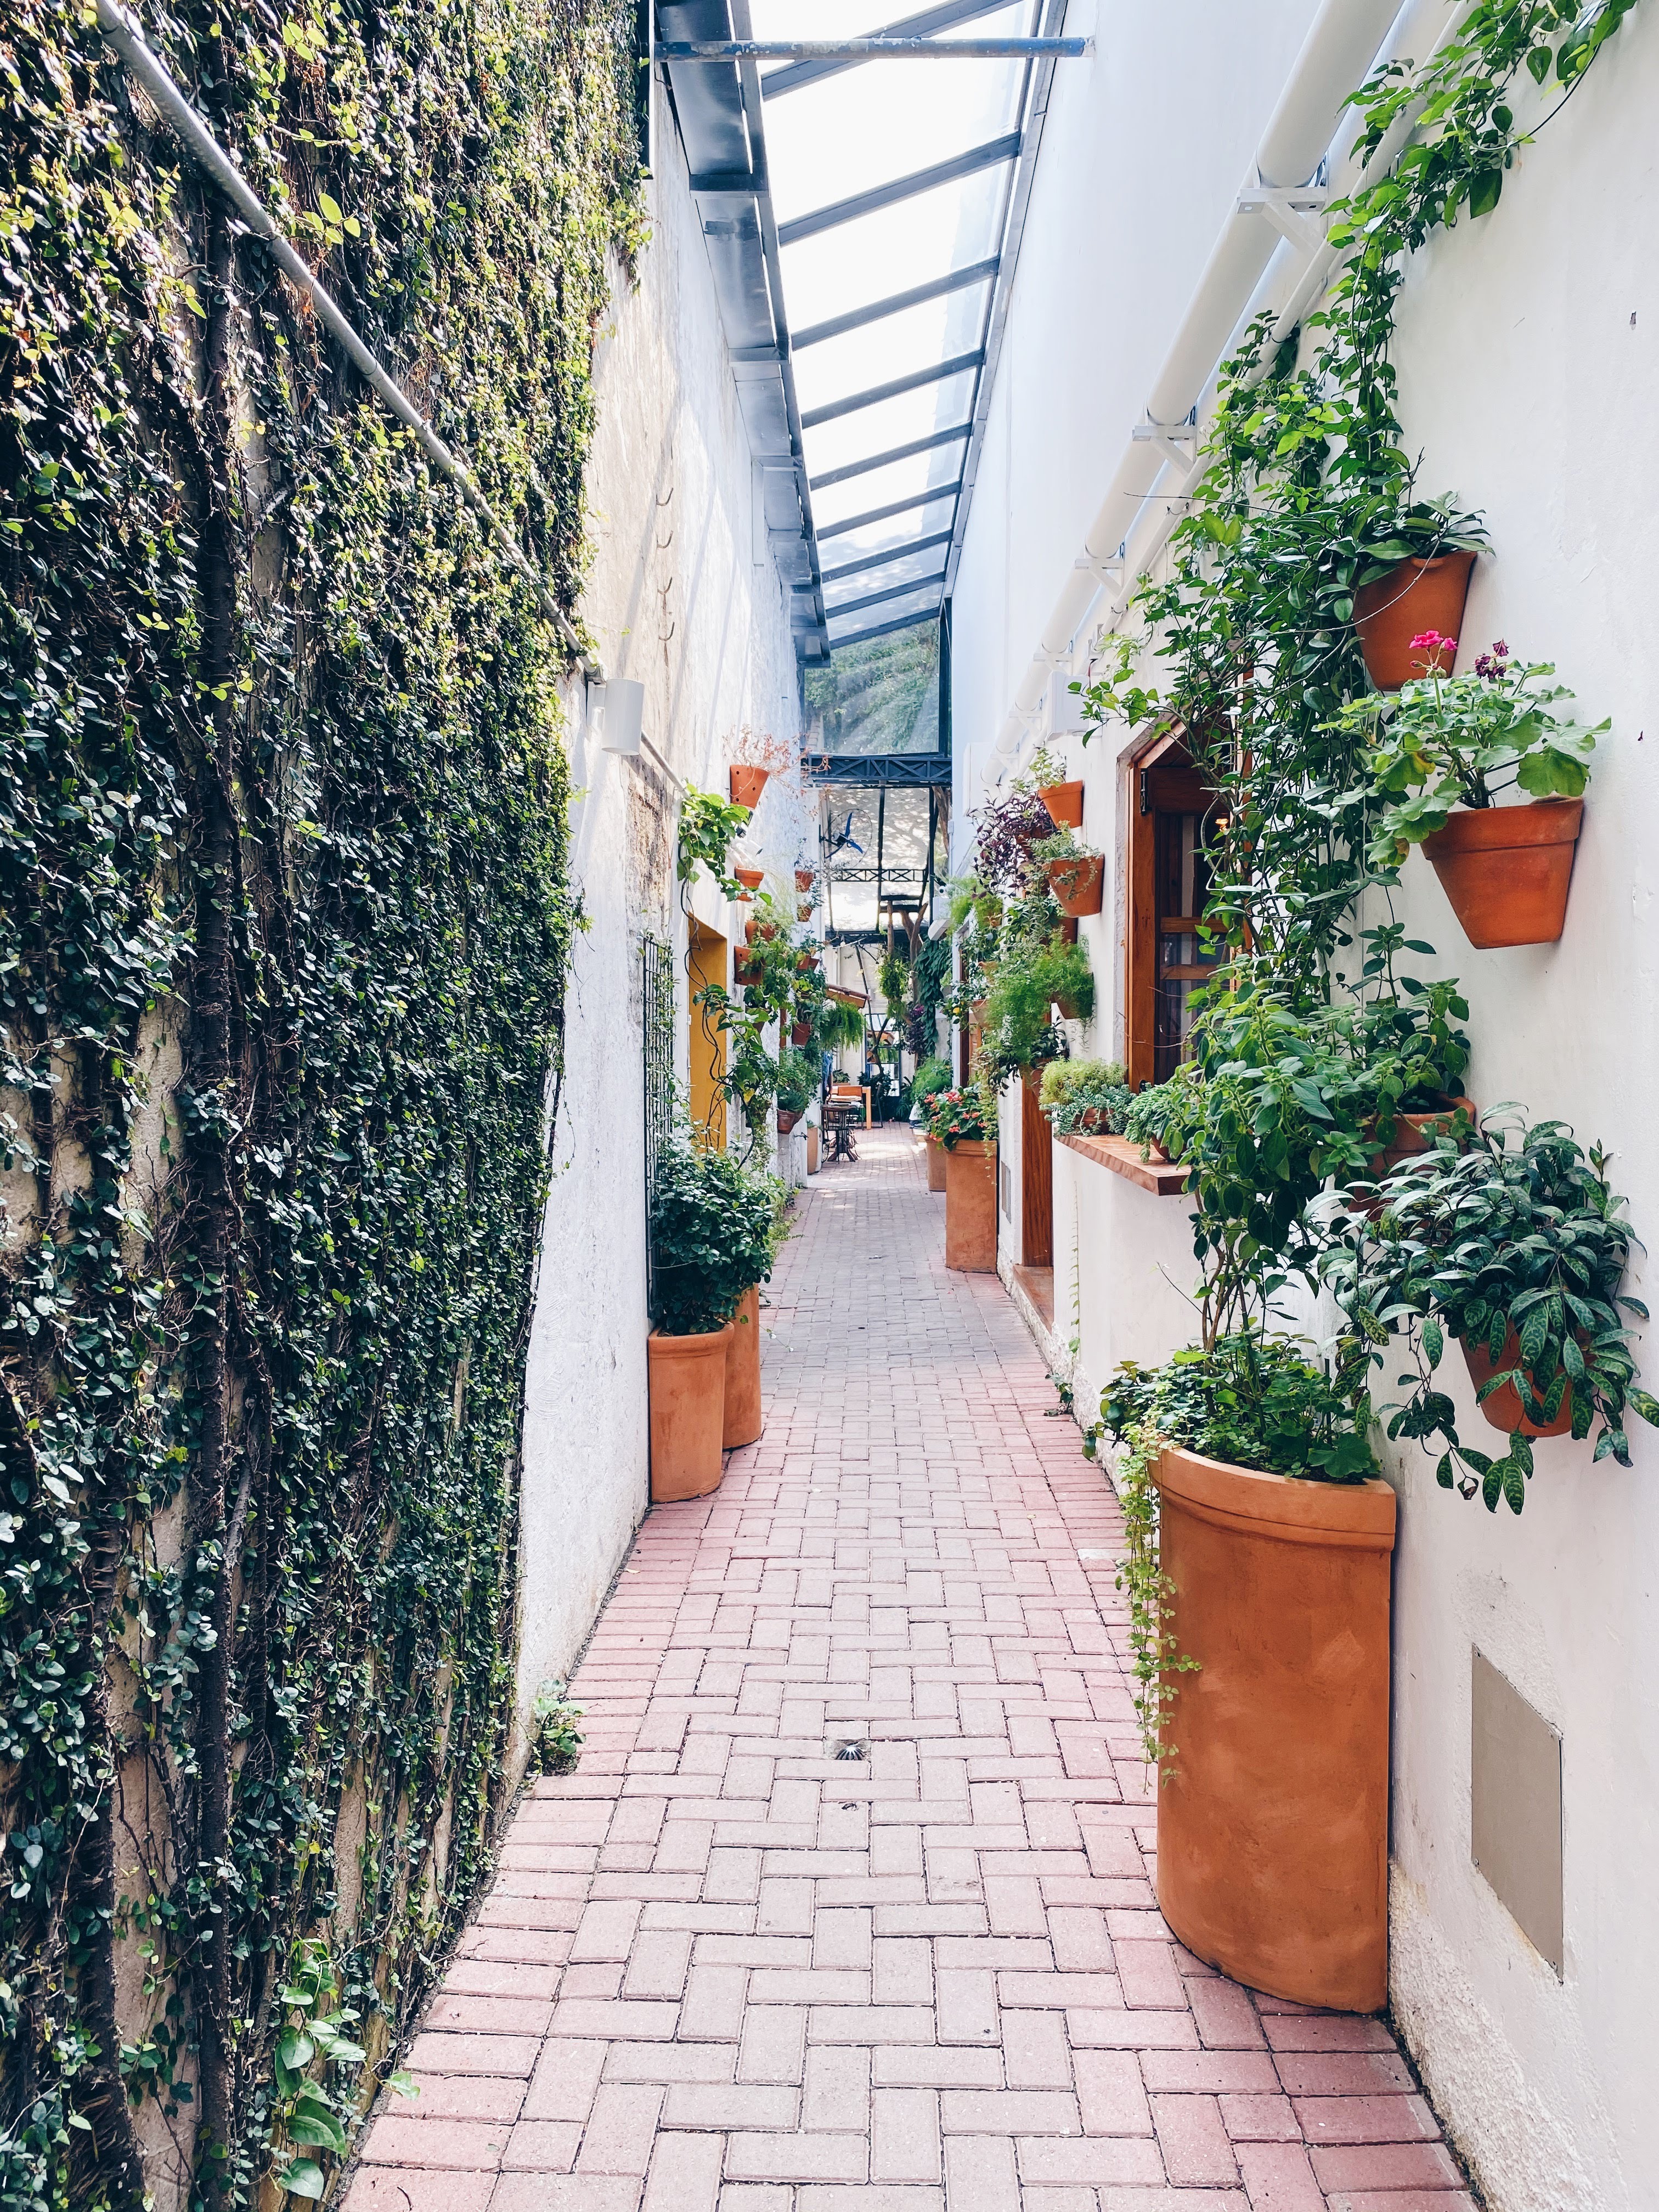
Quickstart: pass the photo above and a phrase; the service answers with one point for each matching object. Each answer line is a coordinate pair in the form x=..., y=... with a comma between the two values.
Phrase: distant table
x=861, y=1091
x=840, y=1118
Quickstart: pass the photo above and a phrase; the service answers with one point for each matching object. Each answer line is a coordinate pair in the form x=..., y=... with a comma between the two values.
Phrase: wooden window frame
x=1160, y=778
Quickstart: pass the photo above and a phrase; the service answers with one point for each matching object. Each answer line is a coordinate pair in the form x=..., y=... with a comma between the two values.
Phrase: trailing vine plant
x=283, y=928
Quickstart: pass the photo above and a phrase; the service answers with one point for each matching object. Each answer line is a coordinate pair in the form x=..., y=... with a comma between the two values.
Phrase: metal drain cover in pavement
x=852, y=1747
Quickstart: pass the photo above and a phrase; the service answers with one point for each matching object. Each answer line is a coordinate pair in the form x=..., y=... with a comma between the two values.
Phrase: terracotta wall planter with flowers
x=970, y=1207
x=1417, y=596
x=687, y=1378
x=1272, y=1830
x=1065, y=804
x=1078, y=884
x=1507, y=870
x=747, y=783
x=742, y=1423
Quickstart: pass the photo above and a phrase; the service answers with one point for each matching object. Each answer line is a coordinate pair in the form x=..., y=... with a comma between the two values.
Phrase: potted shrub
x=1076, y=875
x=1085, y=1095
x=1515, y=1247
x=956, y=1121
x=713, y=1229
x=1412, y=581
x=1258, y=1582
x=1440, y=754
x=932, y=1076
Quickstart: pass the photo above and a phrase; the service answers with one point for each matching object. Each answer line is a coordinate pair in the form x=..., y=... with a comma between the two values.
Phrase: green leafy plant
x=893, y=979
x=715, y=1231
x=315, y=2065
x=932, y=1076
x=1515, y=1245
x=797, y=1080
x=1449, y=741
x=558, y=1739
x=1086, y=1094
x=709, y=827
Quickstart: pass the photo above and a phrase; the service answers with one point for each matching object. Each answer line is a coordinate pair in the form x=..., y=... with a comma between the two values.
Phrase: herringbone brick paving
x=722, y=1971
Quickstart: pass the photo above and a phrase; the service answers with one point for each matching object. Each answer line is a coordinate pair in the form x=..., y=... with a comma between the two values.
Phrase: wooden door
x=1036, y=1175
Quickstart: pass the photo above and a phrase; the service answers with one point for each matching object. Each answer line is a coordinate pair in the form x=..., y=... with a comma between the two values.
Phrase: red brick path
x=725, y=1968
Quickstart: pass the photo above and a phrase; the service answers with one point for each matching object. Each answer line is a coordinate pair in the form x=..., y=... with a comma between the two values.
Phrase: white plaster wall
x=1527, y=346
x=683, y=597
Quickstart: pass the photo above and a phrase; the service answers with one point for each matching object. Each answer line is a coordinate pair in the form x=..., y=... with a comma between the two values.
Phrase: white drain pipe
x=1344, y=40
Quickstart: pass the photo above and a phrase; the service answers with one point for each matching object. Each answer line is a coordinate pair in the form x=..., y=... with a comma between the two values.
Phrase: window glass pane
x=888, y=424
x=855, y=827
x=877, y=353
x=855, y=495
x=879, y=696
x=838, y=546
x=897, y=246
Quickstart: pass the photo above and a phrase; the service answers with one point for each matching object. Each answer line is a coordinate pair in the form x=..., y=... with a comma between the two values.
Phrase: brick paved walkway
x=722, y=1967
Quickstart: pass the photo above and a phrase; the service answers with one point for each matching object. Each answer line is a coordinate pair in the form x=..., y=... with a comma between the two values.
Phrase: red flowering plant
x=955, y=1117
x=1448, y=741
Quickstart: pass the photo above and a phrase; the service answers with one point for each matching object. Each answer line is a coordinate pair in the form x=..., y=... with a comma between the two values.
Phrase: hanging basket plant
x=1076, y=876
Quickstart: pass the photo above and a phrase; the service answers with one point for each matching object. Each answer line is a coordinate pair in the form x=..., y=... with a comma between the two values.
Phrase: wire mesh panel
x=657, y=973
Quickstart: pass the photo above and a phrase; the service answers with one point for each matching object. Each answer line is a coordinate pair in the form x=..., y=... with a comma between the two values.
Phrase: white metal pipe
x=1341, y=43
x=124, y=34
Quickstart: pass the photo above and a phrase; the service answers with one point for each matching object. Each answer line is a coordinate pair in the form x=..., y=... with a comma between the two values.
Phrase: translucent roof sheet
x=832, y=138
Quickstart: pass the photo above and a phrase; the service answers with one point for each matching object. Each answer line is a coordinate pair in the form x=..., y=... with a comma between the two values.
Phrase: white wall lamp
x=616, y=712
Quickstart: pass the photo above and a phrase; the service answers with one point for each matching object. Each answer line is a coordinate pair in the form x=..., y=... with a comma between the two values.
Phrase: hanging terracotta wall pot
x=800, y=1034
x=1503, y=1408
x=751, y=879
x=805, y=879
x=970, y=1207
x=1414, y=1133
x=787, y=1121
x=803, y=909
x=745, y=968
x=1507, y=870
x=747, y=785
x=1417, y=596
x=687, y=1377
x=1078, y=884
x=742, y=1417
x=937, y=1157
x=805, y=962
x=1273, y=1829
x=1065, y=804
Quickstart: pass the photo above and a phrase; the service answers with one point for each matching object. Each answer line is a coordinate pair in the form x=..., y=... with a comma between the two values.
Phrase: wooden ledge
x=1161, y=1177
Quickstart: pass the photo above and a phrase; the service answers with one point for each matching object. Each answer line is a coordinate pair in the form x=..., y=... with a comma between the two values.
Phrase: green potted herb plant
x=1086, y=1096
x=713, y=1229
x=1440, y=753
x=1513, y=1246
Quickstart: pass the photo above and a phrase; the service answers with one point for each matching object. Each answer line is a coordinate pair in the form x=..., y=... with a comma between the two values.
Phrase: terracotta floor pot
x=1503, y=1408
x=937, y=1157
x=1272, y=1832
x=1078, y=884
x=687, y=1411
x=747, y=785
x=1065, y=804
x=1418, y=595
x=743, y=1374
x=1507, y=869
x=813, y=1150
x=970, y=1207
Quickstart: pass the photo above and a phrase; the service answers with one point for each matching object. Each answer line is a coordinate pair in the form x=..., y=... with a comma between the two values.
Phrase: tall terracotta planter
x=1078, y=884
x=1417, y=596
x=1507, y=870
x=812, y=1149
x=742, y=1424
x=687, y=1376
x=970, y=1207
x=1065, y=804
x=1272, y=1831
x=937, y=1156
x=747, y=783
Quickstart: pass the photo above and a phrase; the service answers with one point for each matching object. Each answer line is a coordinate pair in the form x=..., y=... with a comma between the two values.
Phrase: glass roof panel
x=908, y=568
x=836, y=551
x=923, y=600
x=881, y=696
x=890, y=423
x=856, y=494
x=897, y=247
x=938, y=330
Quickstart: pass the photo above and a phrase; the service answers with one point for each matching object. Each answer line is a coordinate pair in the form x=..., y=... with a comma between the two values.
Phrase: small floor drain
x=854, y=1747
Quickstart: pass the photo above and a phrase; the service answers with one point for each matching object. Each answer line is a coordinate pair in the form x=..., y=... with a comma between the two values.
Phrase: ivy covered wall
x=283, y=930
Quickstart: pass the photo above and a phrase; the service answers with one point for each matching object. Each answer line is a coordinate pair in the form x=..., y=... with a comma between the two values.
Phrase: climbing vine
x=283, y=925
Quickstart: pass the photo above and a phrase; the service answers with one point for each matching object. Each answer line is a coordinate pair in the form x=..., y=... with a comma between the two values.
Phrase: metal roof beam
x=989, y=156
x=881, y=560
x=877, y=392
x=876, y=598
x=931, y=19
x=886, y=514
x=867, y=769
x=893, y=453
x=959, y=280
x=870, y=50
